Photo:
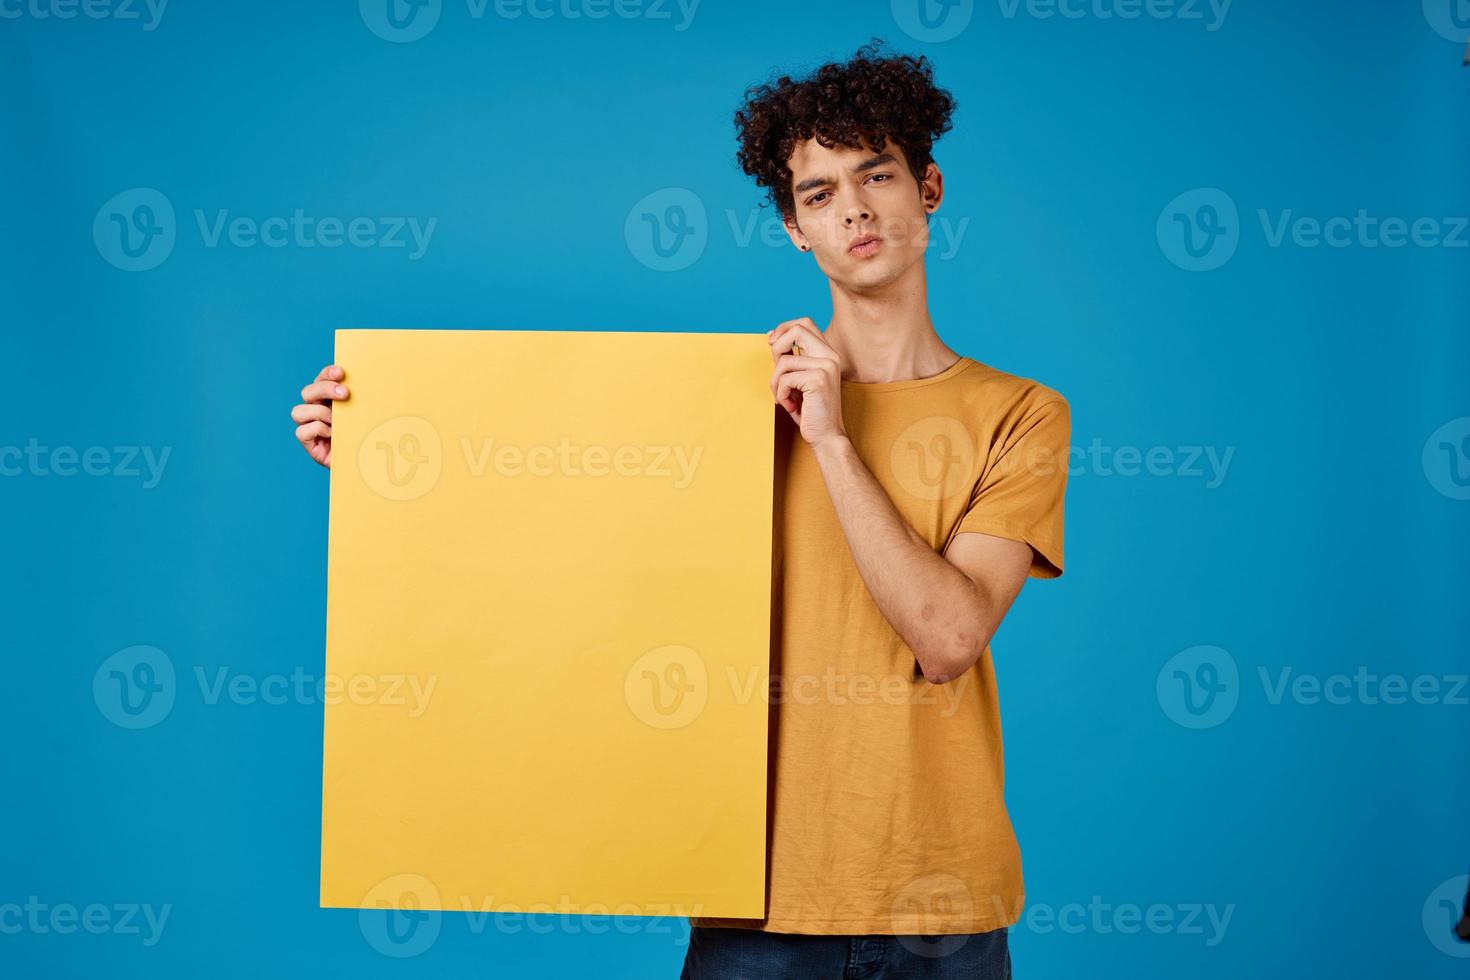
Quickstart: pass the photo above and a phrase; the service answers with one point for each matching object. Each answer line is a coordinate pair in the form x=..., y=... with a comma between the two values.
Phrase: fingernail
x=341, y=392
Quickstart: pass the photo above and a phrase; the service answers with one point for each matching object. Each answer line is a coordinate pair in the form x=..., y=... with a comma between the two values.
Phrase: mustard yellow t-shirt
x=886, y=806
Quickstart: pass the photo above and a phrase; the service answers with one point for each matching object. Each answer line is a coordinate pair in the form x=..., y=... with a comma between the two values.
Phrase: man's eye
x=876, y=176
x=816, y=198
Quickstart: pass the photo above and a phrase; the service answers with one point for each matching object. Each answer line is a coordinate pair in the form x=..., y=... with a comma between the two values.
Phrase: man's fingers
x=805, y=321
x=323, y=391
x=792, y=381
x=804, y=332
x=787, y=363
x=305, y=434
x=311, y=413
x=787, y=340
x=802, y=362
x=330, y=373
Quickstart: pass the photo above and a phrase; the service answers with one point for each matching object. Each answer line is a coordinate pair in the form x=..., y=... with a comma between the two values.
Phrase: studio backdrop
x=1234, y=235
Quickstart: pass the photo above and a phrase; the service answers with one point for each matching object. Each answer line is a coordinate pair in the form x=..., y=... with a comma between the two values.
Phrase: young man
x=916, y=490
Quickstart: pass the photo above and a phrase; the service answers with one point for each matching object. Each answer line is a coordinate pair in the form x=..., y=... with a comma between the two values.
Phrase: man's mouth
x=864, y=245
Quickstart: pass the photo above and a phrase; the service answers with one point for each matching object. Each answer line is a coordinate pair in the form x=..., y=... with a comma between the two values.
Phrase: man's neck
x=887, y=336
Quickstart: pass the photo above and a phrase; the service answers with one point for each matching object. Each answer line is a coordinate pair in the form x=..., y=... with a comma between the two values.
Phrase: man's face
x=861, y=212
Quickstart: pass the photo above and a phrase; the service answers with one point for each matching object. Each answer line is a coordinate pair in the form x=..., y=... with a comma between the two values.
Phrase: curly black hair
x=872, y=97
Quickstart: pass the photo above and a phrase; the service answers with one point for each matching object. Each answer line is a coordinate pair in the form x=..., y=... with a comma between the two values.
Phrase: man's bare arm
x=945, y=607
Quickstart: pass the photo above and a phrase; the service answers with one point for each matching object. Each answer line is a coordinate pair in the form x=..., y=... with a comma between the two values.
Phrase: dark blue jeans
x=749, y=954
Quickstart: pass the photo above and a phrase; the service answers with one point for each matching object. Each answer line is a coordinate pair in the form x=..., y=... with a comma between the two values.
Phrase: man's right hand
x=313, y=417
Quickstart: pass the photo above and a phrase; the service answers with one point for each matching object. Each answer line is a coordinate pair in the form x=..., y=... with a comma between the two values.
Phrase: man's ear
x=793, y=231
x=931, y=188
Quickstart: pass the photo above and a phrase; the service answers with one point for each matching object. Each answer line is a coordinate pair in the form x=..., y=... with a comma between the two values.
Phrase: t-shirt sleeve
x=1020, y=492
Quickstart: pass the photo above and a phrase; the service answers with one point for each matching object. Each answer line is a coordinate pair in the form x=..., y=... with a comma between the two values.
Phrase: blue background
x=1328, y=546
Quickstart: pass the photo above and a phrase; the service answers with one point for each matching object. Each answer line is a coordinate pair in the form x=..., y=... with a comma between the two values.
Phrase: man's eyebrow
x=812, y=183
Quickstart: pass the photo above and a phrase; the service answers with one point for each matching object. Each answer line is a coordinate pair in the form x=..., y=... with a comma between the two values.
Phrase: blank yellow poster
x=548, y=623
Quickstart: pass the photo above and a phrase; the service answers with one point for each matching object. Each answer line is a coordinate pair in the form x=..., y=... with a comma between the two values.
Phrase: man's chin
x=872, y=274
